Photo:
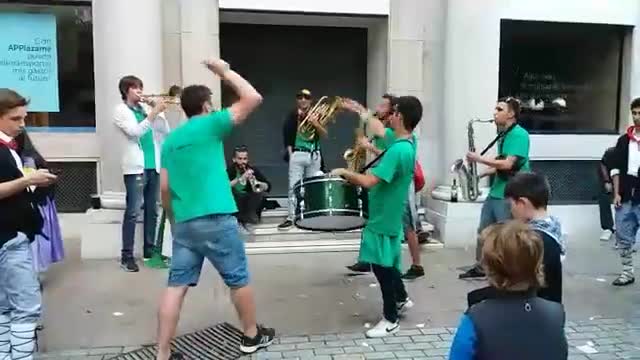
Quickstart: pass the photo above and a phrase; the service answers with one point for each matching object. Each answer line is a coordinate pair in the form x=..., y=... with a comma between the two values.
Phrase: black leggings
x=392, y=288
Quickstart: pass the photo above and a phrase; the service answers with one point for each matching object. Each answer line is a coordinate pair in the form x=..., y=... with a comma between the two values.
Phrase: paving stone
x=409, y=354
x=418, y=346
x=441, y=344
x=283, y=347
x=329, y=351
x=388, y=347
x=434, y=331
x=348, y=357
x=426, y=338
x=446, y=337
x=268, y=355
x=409, y=332
x=365, y=349
x=293, y=339
x=339, y=343
x=307, y=345
x=351, y=336
x=398, y=340
x=436, y=352
x=585, y=329
x=323, y=337
x=579, y=335
x=578, y=357
x=608, y=341
x=298, y=353
x=380, y=355
x=602, y=356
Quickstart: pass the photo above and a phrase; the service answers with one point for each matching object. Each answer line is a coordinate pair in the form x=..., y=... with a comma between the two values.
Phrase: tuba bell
x=323, y=111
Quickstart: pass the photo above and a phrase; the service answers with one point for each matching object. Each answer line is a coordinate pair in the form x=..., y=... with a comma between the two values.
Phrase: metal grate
x=571, y=181
x=220, y=342
x=76, y=183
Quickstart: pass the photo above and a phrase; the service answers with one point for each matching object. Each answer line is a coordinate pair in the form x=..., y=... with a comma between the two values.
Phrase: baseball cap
x=304, y=92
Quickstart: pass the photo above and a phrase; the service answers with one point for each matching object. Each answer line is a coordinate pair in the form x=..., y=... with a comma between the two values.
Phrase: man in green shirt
x=197, y=198
x=513, y=156
x=388, y=184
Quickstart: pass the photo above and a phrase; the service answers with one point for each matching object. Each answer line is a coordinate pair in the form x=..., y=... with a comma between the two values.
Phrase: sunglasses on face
x=305, y=97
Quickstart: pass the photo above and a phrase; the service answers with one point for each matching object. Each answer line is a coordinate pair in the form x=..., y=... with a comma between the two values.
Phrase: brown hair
x=10, y=99
x=127, y=83
x=512, y=255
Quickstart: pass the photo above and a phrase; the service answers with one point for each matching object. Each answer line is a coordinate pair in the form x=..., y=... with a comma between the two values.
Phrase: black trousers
x=250, y=207
x=604, y=203
x=392, y=288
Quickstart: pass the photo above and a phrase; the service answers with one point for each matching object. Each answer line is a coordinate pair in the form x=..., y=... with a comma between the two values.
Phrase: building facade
x=457, y=56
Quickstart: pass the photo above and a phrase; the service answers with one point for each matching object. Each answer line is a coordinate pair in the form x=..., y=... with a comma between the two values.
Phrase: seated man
x=249, y=200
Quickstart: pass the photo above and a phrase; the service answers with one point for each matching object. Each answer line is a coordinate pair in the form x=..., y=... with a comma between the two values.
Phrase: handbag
x=418, y=177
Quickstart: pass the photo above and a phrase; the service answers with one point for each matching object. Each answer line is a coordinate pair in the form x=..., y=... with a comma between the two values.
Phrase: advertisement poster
x=29, y=58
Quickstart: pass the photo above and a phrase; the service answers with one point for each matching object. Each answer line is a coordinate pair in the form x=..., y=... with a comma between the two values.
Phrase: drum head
x=331, y=222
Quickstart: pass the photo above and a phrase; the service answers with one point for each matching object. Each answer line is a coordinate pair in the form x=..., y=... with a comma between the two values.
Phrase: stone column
x=127, y=40
x=191, y=34
x=416, y=67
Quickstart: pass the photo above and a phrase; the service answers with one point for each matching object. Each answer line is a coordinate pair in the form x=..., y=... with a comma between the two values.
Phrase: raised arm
x=248, y=97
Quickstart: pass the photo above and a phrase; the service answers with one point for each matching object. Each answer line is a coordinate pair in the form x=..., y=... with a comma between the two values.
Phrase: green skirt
x=380, y=249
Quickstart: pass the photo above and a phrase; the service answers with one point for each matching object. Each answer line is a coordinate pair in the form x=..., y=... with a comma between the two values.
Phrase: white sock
x=5, y=337
x=23, y=341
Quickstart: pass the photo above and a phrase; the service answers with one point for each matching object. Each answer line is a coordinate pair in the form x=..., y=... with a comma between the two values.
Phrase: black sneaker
x=129, y=265
x=360, y=267
x=623, y=280
x=286, y=225
x=414, y=272
x=263, y=338
x=473, y=273
x=176, y=356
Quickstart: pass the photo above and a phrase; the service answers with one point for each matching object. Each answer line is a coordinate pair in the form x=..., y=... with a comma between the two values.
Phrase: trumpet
x=323, y=112
x=168, y=99
x=256, y=185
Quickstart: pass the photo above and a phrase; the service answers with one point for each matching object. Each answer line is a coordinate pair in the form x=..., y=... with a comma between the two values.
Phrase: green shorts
x=381, y=249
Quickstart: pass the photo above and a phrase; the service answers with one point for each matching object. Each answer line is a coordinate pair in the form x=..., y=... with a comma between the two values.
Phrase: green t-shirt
x=389, y=138
x=515, y=143
x=193, y=155
x=303, y=143
x=146, y=141
x=387, y=199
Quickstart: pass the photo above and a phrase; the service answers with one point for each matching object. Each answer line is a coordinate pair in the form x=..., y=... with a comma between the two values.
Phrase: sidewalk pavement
x=97, y=308
x=596, y=339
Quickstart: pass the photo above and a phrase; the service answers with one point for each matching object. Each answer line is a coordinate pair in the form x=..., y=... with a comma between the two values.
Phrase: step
x=315, y=246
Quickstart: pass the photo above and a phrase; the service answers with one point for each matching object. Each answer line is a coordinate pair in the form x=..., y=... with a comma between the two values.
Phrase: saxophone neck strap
x=374, y=161
x=500, y=136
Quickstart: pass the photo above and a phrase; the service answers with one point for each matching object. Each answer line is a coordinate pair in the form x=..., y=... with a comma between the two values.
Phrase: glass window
x=567, y=75
x=74, y=66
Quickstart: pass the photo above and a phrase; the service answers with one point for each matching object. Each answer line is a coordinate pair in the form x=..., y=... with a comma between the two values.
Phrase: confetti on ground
x=419, y=326
x=117, y=313
x=587, y=349
x=373, y=285
x=367, y=325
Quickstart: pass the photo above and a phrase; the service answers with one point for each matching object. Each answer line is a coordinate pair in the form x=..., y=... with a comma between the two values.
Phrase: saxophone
x=468, y=174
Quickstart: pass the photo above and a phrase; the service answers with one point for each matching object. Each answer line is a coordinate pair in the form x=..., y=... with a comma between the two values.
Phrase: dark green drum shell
x=326, y=203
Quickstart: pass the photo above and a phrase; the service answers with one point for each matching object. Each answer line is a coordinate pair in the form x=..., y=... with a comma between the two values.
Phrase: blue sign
x=29, y=58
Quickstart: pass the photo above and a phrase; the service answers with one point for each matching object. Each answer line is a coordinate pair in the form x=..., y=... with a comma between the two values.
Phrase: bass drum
x=328, y=203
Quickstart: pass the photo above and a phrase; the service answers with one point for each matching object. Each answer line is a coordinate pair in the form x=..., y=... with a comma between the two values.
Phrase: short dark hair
x=513, y=103
x=239, y=149
x=127, y=83
x=392, y=98
x=193, y=98
x=531, y=186
x=175, y=90
x=411, y=110
x=635, y=104
x=10, y=100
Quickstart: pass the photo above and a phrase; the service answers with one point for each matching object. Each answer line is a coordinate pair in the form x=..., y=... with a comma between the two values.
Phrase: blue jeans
x=215, y=237
x=140, y=187
x=627, y=224
x=20, y=297
x=493, y=211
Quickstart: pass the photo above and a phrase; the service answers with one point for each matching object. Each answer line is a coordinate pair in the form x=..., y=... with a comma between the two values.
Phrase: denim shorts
x=215, y=237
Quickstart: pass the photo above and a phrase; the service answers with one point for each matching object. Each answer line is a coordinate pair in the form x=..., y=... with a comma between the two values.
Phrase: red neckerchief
x=13, y=144
x=631, y=134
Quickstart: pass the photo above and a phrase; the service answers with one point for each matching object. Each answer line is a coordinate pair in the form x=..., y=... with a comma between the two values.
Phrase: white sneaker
x=404, y=306
x=382, y=329
x=606, y=235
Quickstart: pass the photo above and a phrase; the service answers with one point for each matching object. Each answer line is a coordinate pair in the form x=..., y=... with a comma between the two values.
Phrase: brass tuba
x=357, y=155
x=323, y=111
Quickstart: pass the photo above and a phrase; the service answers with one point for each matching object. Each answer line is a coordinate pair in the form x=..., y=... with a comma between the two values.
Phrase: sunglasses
x=302, y=96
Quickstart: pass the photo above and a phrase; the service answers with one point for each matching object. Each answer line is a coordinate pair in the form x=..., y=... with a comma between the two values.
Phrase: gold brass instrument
x=469, y=174
x=168, y=99
x=256, y=185
x=357, y=155
x=323, y=112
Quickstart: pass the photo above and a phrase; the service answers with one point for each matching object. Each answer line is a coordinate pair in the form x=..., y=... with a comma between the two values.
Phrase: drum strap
x=374, y=161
